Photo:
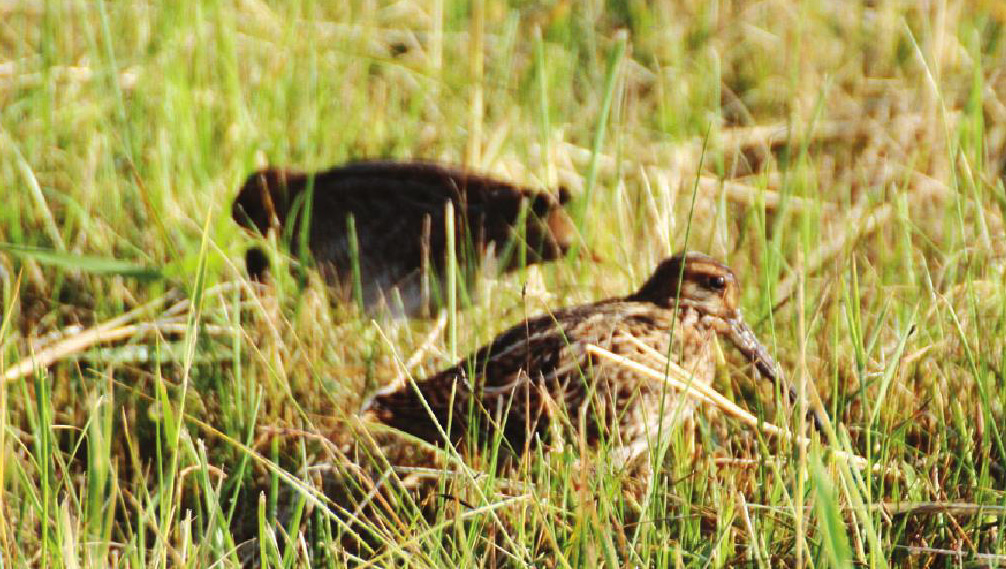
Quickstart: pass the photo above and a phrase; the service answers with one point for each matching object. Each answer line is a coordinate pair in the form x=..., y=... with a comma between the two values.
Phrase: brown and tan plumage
x=398, y=210
x=540, y=367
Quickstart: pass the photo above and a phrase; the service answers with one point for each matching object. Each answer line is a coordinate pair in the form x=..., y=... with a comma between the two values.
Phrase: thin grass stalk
x=452, y=281
x=473, y=153
x=11, y=295
x=545, y=127
x=293, y=528
x=354, y=260
x=43, y=458
x=801, y=464
x=191, y=337
x=831, y=526
x=36, y=193
x=215, y=512
x=600, y=128
x=306, y=219
x=99, y=450
x=266, y=537
x=239, y=474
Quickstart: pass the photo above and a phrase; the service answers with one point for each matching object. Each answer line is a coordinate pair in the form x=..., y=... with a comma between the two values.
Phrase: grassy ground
x=845, y=158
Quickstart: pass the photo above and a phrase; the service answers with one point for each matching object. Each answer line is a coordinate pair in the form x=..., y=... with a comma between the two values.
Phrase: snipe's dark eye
x=716, y=282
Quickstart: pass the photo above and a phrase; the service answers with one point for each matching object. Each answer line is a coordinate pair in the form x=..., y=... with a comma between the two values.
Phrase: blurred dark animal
x=396, y=211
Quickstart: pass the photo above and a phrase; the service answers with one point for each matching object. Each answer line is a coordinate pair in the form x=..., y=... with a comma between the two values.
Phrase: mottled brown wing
x=501, y=375
x=534, y=373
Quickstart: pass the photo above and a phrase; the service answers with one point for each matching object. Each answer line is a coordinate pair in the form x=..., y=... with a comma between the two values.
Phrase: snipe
x=398, y=212
x=523, y=380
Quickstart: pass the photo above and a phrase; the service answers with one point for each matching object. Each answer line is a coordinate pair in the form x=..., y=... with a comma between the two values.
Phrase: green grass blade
x=86, y=263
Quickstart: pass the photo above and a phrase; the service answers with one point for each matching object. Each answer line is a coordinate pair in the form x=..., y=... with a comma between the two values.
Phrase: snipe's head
x=697, y=281
x=693, y=280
